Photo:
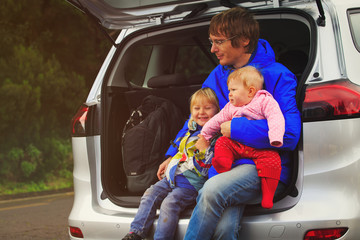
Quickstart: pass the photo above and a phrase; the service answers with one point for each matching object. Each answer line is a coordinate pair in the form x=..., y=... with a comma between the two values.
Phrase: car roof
x=121, y=14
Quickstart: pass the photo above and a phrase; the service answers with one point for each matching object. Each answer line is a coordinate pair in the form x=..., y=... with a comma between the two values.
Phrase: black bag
x=145, y=139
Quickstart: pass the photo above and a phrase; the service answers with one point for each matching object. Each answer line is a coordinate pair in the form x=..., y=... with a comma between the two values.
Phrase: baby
x=247, y=99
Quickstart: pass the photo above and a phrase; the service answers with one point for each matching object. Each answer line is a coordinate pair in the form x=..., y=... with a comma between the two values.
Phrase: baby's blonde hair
x=206, y=94
x=249, y=76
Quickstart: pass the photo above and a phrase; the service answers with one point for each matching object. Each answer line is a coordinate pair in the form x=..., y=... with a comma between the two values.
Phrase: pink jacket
x=262, y=106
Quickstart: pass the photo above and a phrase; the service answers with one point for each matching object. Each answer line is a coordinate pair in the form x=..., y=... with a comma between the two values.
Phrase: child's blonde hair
x=202, y=94
x=250, y=77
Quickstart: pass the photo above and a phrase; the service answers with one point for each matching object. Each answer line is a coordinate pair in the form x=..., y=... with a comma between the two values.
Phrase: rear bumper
x=310, y=213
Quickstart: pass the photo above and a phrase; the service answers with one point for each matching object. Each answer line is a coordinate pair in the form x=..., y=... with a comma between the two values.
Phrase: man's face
x=227, y=54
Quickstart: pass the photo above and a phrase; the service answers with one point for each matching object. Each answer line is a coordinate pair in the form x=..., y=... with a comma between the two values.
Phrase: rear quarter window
x=191, y=60
x=185, y=52
x=354, y=22
x=136, y=65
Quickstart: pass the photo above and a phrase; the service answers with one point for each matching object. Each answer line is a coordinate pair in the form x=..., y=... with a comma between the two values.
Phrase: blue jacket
x=281, y=83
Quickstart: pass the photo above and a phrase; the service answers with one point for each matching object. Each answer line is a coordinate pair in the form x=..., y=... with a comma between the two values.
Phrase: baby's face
x=238, y=94
x=202, y=111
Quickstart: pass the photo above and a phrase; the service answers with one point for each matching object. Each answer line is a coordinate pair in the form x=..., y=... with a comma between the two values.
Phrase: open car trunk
x=166, y=53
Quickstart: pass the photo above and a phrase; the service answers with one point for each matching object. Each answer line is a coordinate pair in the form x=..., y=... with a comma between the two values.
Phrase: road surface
x=36, y=218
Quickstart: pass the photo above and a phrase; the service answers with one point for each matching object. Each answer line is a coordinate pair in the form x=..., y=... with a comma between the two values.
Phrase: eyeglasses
x=219, y=42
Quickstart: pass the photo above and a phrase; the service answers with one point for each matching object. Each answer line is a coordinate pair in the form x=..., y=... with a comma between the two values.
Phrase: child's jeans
x=171, y=201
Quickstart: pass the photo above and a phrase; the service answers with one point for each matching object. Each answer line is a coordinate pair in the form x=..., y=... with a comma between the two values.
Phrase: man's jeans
x=221, y=203
x=171, y=201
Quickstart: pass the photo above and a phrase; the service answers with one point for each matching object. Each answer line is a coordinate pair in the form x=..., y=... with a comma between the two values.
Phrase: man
x=234, y=35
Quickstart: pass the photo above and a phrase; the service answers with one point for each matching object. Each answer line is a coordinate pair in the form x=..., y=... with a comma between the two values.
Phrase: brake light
x=76, y=232
x=331, y=100
x=325, y=234
x=79, y=122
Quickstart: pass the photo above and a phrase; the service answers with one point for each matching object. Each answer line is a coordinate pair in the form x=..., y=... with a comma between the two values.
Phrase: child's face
x=202, y=111
x=238, y=94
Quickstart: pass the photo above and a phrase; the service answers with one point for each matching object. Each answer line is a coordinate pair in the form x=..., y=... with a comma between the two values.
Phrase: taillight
x=331, y=100
x=76, y=232
x=78, y=122
x=325, y=234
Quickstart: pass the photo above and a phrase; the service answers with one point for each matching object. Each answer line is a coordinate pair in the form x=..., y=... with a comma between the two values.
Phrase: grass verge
x=10, y=190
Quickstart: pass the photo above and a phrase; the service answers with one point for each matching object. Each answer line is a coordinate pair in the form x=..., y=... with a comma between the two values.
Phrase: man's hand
x=201, y=144
x=226, y=129
x=162, y=168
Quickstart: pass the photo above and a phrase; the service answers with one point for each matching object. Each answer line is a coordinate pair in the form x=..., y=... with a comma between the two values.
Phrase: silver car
x=319, y=41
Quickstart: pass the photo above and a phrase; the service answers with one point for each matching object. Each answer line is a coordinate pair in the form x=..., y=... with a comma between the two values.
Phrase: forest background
x=50, y=54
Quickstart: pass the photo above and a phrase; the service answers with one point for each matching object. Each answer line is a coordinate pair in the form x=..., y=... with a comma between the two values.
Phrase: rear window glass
x=354, y=21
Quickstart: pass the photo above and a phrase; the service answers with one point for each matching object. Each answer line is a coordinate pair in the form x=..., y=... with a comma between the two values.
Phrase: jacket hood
x=263, y=55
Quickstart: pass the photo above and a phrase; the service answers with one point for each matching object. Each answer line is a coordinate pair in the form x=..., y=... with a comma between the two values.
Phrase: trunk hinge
x=321, y=19
x=198, y=9
x=159, y=19
x=227, y=3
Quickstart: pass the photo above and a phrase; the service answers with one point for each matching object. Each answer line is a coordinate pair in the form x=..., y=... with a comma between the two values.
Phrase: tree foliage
x=49, y=56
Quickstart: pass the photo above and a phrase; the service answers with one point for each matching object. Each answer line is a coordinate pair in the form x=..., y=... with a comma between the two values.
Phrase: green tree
x=49, y=56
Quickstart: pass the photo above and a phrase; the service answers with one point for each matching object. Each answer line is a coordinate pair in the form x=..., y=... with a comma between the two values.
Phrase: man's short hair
x=238, y=22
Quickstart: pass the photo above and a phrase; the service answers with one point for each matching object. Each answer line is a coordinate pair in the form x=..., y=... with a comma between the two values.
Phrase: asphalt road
x=36, y=218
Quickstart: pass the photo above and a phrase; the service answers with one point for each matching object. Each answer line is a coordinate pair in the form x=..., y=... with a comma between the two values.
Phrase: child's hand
x=226, y=129
x=162, y=168
x=202, y=143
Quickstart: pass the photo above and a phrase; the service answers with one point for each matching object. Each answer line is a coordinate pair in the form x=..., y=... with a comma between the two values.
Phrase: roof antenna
x=321, y=20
